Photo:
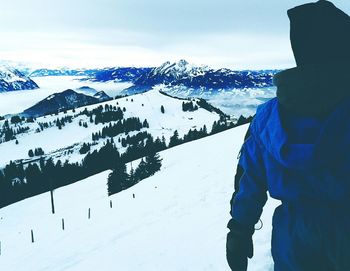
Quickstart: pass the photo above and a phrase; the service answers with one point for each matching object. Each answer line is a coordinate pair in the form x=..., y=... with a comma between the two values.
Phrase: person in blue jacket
x=298, y=149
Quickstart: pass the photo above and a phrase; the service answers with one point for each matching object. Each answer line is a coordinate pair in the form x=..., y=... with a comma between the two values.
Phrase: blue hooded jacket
x=302, y=161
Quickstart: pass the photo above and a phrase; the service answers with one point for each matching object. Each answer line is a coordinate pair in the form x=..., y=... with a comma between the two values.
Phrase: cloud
x=228, y=33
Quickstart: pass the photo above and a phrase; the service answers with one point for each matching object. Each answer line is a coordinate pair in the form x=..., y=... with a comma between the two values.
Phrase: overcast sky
x=98, y=33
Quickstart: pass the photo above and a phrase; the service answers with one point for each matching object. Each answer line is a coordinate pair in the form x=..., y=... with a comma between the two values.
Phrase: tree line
x=19, y=181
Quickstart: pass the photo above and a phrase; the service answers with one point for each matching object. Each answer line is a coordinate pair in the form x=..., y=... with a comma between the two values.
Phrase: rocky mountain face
x=12, y=79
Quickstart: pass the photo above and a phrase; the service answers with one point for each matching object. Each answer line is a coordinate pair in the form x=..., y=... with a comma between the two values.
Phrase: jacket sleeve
x=250, y=193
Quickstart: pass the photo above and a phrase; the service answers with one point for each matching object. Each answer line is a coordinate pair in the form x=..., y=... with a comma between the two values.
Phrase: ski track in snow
x=176, y=222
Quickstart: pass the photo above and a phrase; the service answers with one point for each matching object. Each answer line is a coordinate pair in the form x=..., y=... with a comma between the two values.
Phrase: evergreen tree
x=141, y=171
x=174, y=139
x=162, y=109
x=85, y=148
x=145, y=124
x=4, y=190
x=153, y=163
x=15, y=119
x=36, y=183
x=132, y=180
x=164, y=141
x=117, y=180
x=205, y=131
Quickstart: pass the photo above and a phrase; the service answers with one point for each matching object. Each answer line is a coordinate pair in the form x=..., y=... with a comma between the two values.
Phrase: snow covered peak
x=182, y=73
x=11, y=79
x=178, y=70
x=10, y=74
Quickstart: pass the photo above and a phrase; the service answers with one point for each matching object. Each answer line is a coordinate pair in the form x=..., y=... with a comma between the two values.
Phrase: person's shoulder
x=263, y=113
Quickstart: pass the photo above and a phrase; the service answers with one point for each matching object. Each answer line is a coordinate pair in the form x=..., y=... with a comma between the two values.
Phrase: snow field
x=177, y=220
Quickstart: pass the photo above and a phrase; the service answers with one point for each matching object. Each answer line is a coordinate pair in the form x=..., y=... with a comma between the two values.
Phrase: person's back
x=298, y=149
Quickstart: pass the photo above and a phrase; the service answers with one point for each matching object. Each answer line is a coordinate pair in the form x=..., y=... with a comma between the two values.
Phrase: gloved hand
x=239, y=245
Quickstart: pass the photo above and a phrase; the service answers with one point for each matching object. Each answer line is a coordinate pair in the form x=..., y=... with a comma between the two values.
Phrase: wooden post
x=110, y=204
x=62, y=223
x=52, y=201
x=89, y=214
x=133, y=195
x=32, y=235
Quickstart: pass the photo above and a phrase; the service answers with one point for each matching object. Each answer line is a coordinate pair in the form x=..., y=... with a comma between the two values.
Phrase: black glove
x=239, y=245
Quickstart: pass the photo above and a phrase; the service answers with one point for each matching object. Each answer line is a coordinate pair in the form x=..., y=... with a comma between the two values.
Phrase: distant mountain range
x=12, y=79
x=127, y=74
x=178, y=77
x=118, y=74
x=65, y=100
x=184, y=74
x=181, y=74
x=63, y=72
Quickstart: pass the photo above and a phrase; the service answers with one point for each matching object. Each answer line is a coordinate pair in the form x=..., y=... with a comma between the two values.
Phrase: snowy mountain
x=169, y=73
x=62, y=72
x=183, y=74
x=176, y=221
x=101, y=96
x=122, y=74
x=86, y=90
x=11, y=79
x=65, y=100
x=186, y=75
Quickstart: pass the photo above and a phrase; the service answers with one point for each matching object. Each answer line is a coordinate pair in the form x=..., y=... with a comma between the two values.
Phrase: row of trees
x=122, y=126
x=188, y=106
x=120, y=179
x=18, y=181
x=61, y=122
x=104, y=114
x=8, y=133
x=36, y=152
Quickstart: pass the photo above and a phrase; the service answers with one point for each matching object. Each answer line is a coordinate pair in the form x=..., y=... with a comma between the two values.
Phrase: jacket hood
x=312, y=91
x=319, y=34
x=328, y=139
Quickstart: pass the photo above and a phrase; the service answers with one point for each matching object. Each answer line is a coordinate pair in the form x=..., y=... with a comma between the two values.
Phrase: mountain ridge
x=61, y=101
x=11, y=79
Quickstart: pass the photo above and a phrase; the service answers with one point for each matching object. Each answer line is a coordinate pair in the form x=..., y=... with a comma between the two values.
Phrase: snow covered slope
x=147, y=105
x=11, y=79
x=177, y=220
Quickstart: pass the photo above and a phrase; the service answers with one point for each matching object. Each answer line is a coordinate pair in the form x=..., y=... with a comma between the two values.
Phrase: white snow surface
x=177, y=220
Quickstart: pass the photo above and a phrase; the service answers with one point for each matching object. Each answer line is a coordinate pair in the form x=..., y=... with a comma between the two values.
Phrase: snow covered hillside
x=177, y=220
x=58, y=140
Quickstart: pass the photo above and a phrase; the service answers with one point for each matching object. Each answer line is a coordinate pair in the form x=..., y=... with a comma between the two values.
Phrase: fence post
x=62, y=223
x=89, y=214
x=52, y=202
x=32, y=235
x=110, y=204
